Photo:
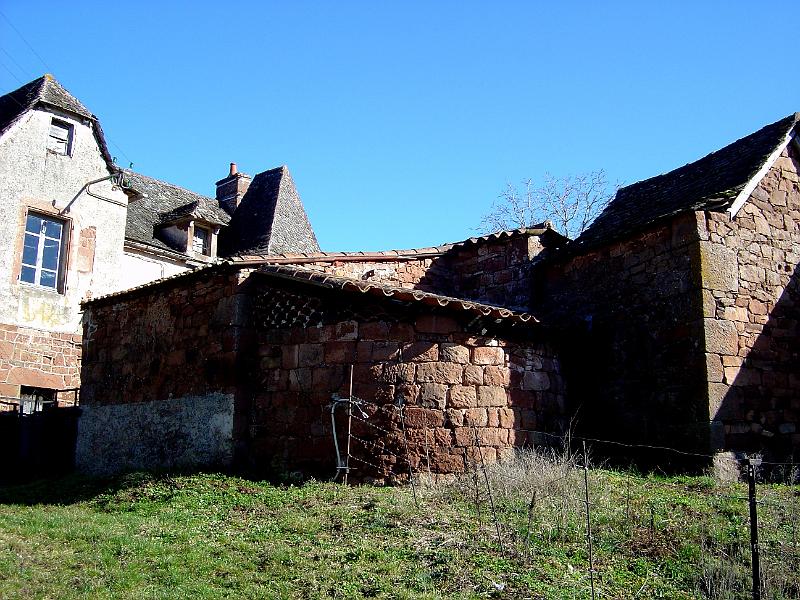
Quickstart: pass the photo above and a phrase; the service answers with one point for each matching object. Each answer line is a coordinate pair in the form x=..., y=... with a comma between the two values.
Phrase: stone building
x=673, y=320
x=75, y=225
x=682, y=304
x=214, y=330
x=239, y=362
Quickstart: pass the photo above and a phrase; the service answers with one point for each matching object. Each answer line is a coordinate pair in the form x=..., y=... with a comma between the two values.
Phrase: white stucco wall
x=32, y=177
x=139, y=268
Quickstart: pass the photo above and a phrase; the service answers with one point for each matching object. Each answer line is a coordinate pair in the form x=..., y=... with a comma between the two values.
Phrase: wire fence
x=741, y=539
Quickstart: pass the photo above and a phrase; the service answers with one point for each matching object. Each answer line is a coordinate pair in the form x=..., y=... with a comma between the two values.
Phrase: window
x=34, y=400
x=60, y=140
x=42, y=251
x=201, y=242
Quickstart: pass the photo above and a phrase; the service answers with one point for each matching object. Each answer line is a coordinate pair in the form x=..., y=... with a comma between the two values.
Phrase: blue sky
x=402, y=122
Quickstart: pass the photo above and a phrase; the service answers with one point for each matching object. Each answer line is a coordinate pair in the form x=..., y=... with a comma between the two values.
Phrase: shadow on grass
x=74, y=488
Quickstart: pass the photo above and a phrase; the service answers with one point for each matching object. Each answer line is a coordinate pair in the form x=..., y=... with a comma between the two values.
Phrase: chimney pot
x=233, y=169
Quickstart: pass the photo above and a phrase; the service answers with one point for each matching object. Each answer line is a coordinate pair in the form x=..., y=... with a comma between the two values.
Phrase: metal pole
x=408, y=457
x=588, y=517
x=752, y=463
x=488, y=489
x=349, y=425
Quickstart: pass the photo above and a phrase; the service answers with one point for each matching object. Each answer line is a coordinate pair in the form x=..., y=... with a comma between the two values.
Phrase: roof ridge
x=791, y=120
x=172, y=185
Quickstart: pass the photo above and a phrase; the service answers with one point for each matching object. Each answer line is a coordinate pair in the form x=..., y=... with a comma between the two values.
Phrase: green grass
x=218, y=536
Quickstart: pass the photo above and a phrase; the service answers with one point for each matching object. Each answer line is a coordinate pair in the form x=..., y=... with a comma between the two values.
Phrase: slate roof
x=47, y=91
x=711, y=183
x=208, y=211
x=270, y=218
x=161, y=200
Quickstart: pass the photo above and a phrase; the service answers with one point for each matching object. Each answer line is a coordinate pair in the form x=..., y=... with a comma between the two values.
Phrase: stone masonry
x=631, y=342
x=455, y=385
x=751, y=309
x=282, y=351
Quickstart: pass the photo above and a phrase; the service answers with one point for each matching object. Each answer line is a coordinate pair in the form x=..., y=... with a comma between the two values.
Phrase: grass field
x=218, y=536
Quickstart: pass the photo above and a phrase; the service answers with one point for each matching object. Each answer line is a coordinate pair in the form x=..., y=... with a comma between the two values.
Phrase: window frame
x=206, y=249
x=41, y=241
x=68, y=141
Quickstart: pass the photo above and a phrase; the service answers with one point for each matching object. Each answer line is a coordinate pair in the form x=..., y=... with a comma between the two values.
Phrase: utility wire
x=10, y=72
x=13, y=60
x=22, y=37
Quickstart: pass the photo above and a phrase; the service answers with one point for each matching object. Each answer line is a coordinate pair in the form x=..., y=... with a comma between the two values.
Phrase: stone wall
x=454, y=382
x=631, y=342
x=176, y=339
x=751, y=293
x=38, y=358
x=492, y=270
x=281, y=350
x=426, y=274
x=175, y=433
x=495, y=271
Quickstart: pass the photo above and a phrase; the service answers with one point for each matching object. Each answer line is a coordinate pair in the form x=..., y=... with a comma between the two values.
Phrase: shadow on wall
x=759, y=406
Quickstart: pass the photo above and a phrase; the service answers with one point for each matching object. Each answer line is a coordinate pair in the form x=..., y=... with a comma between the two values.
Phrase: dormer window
x=201, y=240
x=60, y=138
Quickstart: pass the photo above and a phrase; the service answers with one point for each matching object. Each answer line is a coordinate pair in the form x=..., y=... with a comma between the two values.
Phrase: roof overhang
x=742, y=197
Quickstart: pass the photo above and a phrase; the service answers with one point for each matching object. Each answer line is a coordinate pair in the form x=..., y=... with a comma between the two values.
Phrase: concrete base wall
x=184, y=432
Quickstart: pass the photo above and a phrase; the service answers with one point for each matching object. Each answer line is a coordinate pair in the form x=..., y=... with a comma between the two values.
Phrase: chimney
x=231, y=189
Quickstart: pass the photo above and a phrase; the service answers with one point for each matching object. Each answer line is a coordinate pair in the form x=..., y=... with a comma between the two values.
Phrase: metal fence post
x=751, y=464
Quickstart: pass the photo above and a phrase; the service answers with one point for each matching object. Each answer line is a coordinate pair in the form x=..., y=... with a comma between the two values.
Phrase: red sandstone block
x=275, y=380
x=490, y=395
x=310, y=355
x=383, y=351
x=436, y=324
x=440, y=372
x=477, y=417
x=364, y=352
x=421, y=351
x=9, y=390
x=375, y=330
x=398, y=373
x=300, y=380
x=506, y=418
x=406, y=393
x=379, y=393
x=35, y=378
x=464, y=436
x=290, y=357
x=345, y=330
x=483, y=454
x=418, y=418
x=493, y=375
x=340, y=352
x=492, y=436
x=488, y=355
x=454, y=353
x=401, y=332
x=462, y=396
x=454, y=417
x=473, y=375
x=367, y=374
x=330, y=379
x=433, y=395
x=443, y=462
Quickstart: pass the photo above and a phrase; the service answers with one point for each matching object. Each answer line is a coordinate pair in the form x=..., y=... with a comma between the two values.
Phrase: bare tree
x=571, y=203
